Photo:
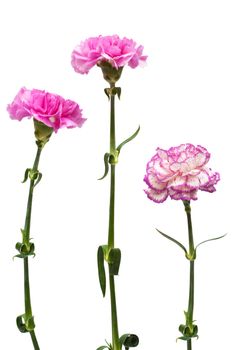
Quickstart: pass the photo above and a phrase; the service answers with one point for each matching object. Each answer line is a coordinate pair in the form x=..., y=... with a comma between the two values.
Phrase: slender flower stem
x=115, y=333
x=26, y=240
x=191, y=256
x=30, y=196
x=189, y=344
x=111, y=208
x=34, y=340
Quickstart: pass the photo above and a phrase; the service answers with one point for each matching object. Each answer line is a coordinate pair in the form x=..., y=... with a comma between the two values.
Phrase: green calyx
x=110, y=73
x=42, y=133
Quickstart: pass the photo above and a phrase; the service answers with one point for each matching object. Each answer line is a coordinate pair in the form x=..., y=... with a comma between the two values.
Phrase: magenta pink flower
x=50, y=109
x=118, y=52
x=179, y=173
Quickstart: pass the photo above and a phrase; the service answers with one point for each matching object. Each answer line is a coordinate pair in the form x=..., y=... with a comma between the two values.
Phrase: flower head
x=50, y=109
x=117, y=52
x=179, y=173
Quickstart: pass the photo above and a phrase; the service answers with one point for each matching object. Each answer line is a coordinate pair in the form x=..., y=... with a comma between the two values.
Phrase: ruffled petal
x=155, y=196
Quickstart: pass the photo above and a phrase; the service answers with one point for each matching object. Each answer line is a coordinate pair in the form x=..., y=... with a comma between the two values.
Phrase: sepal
x=110, y=73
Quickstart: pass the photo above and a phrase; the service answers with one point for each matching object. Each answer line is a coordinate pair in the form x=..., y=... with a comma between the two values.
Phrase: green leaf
x=30, y=324
x=25, y=250
x=211, y=239
x=118, y=92
x=107, y=92
x=20, y=324
x=101, y=268
x=114, y=259
x=103, y=347
x=128, y=140
x=106, y=165
x=129, y=340
x=26, y=175
x=174, y=240
x=37, y=179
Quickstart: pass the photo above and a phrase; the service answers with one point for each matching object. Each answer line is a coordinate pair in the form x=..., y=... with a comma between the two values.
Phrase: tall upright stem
x=115, y=333
x=26, y=240
x=191, y=255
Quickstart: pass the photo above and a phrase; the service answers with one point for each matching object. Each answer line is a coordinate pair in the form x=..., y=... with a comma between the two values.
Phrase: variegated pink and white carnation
x=118, y=52
x=179, y=172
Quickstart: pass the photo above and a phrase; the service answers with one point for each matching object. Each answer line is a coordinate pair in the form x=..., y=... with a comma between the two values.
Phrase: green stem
x=27, y=298
x=30, y=197
x=26, y=238
x=34, y=340
x=112, y=122
x=191, y=292
x=191, y=256
x=115, y=334
x=111, y=209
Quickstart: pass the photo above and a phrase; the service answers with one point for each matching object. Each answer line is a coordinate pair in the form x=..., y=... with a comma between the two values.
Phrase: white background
x=184, y=94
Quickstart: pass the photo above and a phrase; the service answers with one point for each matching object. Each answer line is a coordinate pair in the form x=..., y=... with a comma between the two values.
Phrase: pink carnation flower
x=118, y=52
x=50, y=109
x=179, y=173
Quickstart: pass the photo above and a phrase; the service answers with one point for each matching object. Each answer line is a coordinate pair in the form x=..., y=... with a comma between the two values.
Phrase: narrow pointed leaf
x=209, y=240
x=101, y=269
x=128, y=140
x=103, y=347
x=106, y=165
x=173, y=240
x=114, y=261
x=118, y=92
x=38, y=179
x=26, y=175
x=107, y=92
